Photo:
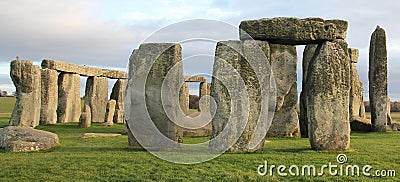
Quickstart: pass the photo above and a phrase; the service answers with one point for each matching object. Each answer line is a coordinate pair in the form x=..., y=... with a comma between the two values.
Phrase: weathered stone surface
x=341, y=28
x=82, y=70
x=49, y=98
x=393, y=127
x=308, y=54
x=110, y=112
x=200, y=79
x=293, y=31
x=360, y=124
x=327, y=92
x=199, y=132
x=26, y=78
x=356, y=90
x=389, y=118
x=86, y=117
x=96, y=96
x=204, y=90
x=227, y=102
x=284, y=66
x=184, y=98
x=353, y=54
x=117, y=94
x=25, y=139
x=69, y=101
x=166, y=56
x=378, y=82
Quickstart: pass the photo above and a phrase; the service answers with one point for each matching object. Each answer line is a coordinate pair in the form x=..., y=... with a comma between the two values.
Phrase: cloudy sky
x=104, y=32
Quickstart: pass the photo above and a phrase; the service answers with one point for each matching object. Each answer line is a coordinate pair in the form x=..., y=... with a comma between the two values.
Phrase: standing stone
x=110, y=112
x=308, y=54
x=96, y=96
x=203, y=92
x=284, y=66
x=378, y=83
x=166, y=56
x=117, y=94
x=26, y=78
x=184, y=98
x=230, y=106
x=69, y=101
x=48, y=110
x=86, y=117
x=327, y=92
x=389, y=118
x=356, y=90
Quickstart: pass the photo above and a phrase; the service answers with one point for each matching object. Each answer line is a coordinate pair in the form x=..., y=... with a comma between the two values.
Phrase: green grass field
x=111, y=159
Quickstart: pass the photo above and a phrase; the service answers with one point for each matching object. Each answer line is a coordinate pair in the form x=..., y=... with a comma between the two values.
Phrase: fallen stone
x=360, y=124
x=25, y=139
x=49, y=98
x=96, y=96
x=26, y=79
x=378, y=83
x=96, y=135
x=328, y=93
x=69, y=100
x=200, y=132
x=82, y=70
x=293, y=31
x=393, y=127
x=117, y=94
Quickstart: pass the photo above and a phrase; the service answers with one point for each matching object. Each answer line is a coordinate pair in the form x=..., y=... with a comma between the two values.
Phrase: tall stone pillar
x=110, y=111
x=144, y=95
x=69, y=101
x=378, y=83
x=96, y=96
x=26, y=78
x=204, y=90
x=327, y=93
x=117, y=94
x=357, y=109
x=48, y=111
x=284, y=66
x=230, y=104
x=184, y=98
x=86, y=119
x=308, y=54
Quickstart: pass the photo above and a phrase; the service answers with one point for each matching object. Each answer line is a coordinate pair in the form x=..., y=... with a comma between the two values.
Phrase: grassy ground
x=111, y=159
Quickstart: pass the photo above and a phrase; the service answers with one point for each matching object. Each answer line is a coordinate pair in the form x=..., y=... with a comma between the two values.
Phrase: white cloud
x=61, y=30
x=217, y=13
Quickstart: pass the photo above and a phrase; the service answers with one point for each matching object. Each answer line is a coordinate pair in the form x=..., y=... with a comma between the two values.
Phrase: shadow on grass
x=97, y=149
x=293, y=150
